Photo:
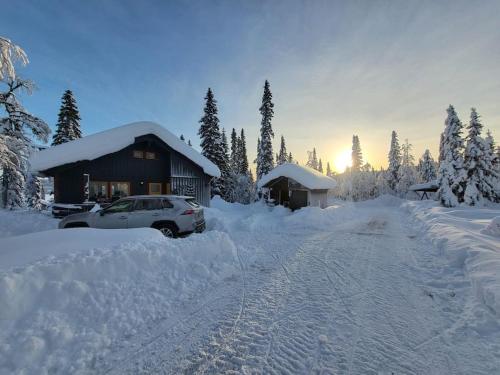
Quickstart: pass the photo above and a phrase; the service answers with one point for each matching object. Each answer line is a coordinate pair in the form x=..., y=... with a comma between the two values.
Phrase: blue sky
x=335, y=68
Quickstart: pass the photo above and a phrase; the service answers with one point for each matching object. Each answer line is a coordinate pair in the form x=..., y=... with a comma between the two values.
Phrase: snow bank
x=307, y=177
x=95, y=145
x=23, y=250
x=469, y=238
x=16, y=222
x=62, y=314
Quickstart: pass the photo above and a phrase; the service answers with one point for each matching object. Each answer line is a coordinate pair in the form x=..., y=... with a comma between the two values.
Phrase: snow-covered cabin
x=134, y=159
x=295, y=186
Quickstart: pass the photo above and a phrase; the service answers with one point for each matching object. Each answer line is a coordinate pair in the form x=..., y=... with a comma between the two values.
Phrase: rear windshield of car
x=192, y=202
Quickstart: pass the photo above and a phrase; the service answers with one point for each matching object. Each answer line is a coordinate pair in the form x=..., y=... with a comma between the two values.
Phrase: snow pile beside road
x=469, y=238
x=64, y=313
x=16, y=222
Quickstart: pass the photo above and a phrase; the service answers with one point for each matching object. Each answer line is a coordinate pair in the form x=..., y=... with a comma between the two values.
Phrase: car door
x=115, y=216
x=146, y=211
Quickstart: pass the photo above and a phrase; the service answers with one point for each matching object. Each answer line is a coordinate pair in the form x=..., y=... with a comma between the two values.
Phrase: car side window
x=167, y=204
x=148, y=204
x=122, y=206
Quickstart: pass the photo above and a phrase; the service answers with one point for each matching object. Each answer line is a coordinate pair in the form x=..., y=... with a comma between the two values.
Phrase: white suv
x=173, y=215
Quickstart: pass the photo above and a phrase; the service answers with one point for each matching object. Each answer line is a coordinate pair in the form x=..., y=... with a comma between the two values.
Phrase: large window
x=154, y=188
x=138, y=154
x=119, y=189
x=98, y=190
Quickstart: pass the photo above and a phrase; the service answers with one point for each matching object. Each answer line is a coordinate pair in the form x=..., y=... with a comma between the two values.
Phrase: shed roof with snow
x=96, y=145
x=307, y=177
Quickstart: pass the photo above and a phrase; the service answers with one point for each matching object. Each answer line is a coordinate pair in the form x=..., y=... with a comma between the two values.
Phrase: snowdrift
x=469, y=238
x=63, y=309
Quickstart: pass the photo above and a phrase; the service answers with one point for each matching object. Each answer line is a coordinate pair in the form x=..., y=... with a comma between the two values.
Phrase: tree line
x=467, y=170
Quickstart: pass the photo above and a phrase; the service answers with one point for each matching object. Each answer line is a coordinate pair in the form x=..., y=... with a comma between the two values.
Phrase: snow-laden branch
x=9, y=53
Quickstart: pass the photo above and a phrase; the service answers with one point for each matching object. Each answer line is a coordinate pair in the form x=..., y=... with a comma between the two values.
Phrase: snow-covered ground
x=383, y=286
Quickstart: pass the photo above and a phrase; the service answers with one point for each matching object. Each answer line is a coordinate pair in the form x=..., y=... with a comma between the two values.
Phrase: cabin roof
x=109, y=141
x=309, y=178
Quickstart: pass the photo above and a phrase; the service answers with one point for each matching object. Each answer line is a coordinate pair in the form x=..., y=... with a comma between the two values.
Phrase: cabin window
x=98, y=190
x=138, y=154
x=150, y=155
x=119, y=189
x=154, y=188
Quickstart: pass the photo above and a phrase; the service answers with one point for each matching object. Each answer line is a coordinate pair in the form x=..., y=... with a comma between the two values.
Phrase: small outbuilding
x=134, y=159
x=295, y=186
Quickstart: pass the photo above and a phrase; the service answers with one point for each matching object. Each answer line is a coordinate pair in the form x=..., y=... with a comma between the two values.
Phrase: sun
x=343, y=160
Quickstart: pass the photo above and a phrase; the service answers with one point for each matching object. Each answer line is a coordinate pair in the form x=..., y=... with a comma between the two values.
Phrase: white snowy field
x=383, y=286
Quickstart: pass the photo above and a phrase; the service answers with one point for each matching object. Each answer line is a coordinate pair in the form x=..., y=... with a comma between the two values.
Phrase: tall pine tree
x=265, y=156
x=68, y=120
x=243, y=167
x=320, y=166
x=357, y=156
x=478, y=165
x=451, y=175
x=283, y=155
x=328, y=169
x=392, y=173
x=427, y=167
x=212, y=146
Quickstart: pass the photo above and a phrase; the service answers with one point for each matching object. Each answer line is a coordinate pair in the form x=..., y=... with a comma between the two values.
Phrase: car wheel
x=167, y=231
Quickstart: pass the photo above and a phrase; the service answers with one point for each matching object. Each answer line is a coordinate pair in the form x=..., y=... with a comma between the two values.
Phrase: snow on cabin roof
x=106, y=142
x=305, y=176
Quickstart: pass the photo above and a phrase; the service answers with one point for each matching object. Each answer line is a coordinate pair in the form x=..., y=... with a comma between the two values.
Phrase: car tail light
x=188, y=212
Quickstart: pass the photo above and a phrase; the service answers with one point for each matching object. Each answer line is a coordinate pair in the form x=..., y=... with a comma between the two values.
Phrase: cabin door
x=298, y=199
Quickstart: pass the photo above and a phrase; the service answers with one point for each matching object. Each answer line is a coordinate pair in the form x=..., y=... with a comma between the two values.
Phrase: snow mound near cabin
x=16, y=222
x=63, y=313
x=464, y=234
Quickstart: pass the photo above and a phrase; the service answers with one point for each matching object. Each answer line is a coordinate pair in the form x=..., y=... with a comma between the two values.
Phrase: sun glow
x=342, y=160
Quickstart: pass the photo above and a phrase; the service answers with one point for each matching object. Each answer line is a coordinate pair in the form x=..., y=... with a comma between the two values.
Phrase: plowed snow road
x=368, y=297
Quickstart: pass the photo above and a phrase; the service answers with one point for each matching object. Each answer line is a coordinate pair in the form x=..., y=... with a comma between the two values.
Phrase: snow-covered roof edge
x=108, y=141
x=305, y=176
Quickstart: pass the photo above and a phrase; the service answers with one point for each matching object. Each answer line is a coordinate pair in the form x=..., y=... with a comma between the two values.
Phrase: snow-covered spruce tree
x=493, y=154
x=17, y=128
x=357, y=156
x=35, y=193
x=312, y=159
x=243, y=167
x=189, y=142
x=68, y=121
x=478, y=165
x=328, y=169
x=392, y=175
x=426, y=167
x=283, y=155
x=320, y=166
x=257, y=160
x=265, y=156
x=211, y=142
x=407, y=175
x=451, y=173
x=441, y=148
x=182, y=138
x=290, y=157
x=234, y=157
